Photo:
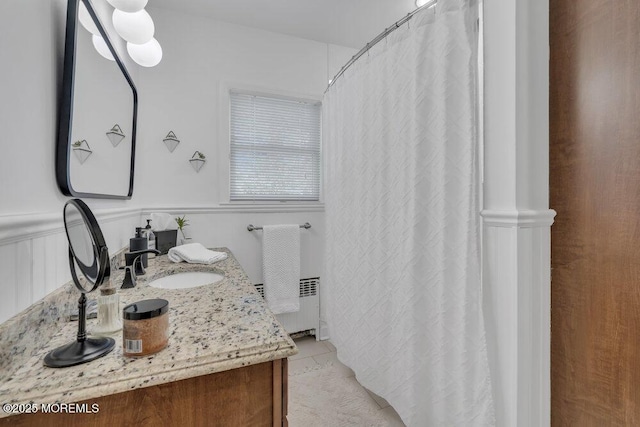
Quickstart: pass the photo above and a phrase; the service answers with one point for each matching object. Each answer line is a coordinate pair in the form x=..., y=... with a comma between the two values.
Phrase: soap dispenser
x=151, y=238
x=139, y=243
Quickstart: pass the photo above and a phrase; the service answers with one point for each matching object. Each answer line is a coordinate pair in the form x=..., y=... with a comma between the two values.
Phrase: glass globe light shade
x=128, y=6
x=101, y=47
x=136, y=28
x=147, y=55
x=86, y=20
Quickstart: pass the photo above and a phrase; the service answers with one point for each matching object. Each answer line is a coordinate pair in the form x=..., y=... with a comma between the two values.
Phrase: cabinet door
x=595, y=189
x=254, y=395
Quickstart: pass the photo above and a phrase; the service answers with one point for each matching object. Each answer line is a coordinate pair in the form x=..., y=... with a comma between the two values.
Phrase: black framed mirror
x=87, y=251
x=95, y=152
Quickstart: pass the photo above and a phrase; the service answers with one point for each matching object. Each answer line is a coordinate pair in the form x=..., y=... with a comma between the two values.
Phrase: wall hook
x=82, y=150
x=171, y=141
x=115, y=135
x=197, y=161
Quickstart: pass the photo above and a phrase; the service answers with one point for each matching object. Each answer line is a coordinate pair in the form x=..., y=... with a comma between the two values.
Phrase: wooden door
x=595, y=189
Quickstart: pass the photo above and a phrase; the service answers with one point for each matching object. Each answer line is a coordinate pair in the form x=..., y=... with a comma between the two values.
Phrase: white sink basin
x=186, y=280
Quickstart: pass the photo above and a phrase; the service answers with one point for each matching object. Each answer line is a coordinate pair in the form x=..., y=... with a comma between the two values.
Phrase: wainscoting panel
x=23, y=274
x=500, y=294
x=36, y=263
x=39, y=275
x=7, y=281
x=516, y=284
x=227, y=226
x=33, y=248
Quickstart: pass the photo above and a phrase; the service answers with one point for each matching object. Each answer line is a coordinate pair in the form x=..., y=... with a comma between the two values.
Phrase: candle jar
x=145, y=327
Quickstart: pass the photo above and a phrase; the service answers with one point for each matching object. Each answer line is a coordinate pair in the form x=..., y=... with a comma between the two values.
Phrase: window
x=275, y=148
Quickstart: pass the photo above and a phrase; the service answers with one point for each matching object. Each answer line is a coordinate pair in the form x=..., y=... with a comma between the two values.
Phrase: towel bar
x=250, y=227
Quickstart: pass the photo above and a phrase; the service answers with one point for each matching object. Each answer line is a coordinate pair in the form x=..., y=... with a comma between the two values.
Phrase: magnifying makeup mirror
x=87, y=251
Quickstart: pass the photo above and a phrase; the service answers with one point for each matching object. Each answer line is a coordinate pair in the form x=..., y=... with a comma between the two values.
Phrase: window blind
x=275, y=148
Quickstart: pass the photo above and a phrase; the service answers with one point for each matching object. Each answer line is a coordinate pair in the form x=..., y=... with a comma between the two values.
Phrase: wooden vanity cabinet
x=254, y=395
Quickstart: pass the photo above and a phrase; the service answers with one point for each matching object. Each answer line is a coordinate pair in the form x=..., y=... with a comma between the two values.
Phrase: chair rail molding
x=226, y=208
x=525, y=218
x=19, y=227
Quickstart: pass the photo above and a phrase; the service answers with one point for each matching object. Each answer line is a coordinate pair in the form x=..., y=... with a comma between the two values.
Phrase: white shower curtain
x=402, y=271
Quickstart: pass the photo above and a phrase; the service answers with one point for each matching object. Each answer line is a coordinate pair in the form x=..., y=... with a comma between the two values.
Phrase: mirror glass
x=96, y=144
x=80, y=241
x=88, y=251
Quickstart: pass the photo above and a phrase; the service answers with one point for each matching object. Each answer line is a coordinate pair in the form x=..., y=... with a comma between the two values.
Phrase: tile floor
x=313, y=353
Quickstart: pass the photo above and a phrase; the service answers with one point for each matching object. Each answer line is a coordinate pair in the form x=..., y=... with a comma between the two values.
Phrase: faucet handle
x=129, y=277
x=140, y=264
x=144, y=251
x=133, y=260
x=130, y=257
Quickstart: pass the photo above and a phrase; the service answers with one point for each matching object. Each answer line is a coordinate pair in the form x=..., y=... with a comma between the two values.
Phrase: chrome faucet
x=134, y=267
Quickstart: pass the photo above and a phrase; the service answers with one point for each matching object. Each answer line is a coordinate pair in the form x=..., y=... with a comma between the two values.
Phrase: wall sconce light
x=128, y=6
x=134, y=27
x=101, y=47
x=171, y=141
x=148, y=54
x=115, y=135
x=197, y=161
x=82, y=150
x=420, y=3
x=86, y=20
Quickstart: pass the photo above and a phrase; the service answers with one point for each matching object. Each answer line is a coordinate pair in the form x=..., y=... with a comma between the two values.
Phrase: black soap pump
x=139, y=243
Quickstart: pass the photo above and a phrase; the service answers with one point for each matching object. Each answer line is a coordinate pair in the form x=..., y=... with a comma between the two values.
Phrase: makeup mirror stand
x=84, y=349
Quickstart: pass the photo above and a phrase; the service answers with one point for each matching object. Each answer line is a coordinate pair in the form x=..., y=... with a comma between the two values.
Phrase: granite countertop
x=213, y=328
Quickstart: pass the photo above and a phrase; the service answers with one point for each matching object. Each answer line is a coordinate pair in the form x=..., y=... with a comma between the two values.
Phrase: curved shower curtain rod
x=377, y=39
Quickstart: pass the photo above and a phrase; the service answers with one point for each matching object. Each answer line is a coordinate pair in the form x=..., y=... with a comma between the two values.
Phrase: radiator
x=307, y=320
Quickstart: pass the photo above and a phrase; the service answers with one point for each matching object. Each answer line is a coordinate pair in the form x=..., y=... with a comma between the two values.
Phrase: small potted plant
x=197, y=160
x=182, y=223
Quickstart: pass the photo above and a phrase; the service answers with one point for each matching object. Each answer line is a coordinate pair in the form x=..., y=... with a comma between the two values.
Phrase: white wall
x=227, y=227
x=181, y=94
x=33, y=248
x=33, y=253
x=32, y=45
x=185, y=93
x=188, y=93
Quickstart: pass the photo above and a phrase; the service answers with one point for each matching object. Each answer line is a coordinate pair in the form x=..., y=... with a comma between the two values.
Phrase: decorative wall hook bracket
x=115, y=135
x=171, y=141
x=82, y=150
x=197, y=161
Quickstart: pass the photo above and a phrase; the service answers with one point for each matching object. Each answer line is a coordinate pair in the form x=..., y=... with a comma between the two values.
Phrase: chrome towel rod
x=250, y=227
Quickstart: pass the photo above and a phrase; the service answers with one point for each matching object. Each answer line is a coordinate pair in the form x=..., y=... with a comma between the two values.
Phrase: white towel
x=195, y=253
x=162, y=221
x=281, y=267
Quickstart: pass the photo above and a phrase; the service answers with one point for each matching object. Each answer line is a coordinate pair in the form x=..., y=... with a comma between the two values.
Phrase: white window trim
x=224, y=134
